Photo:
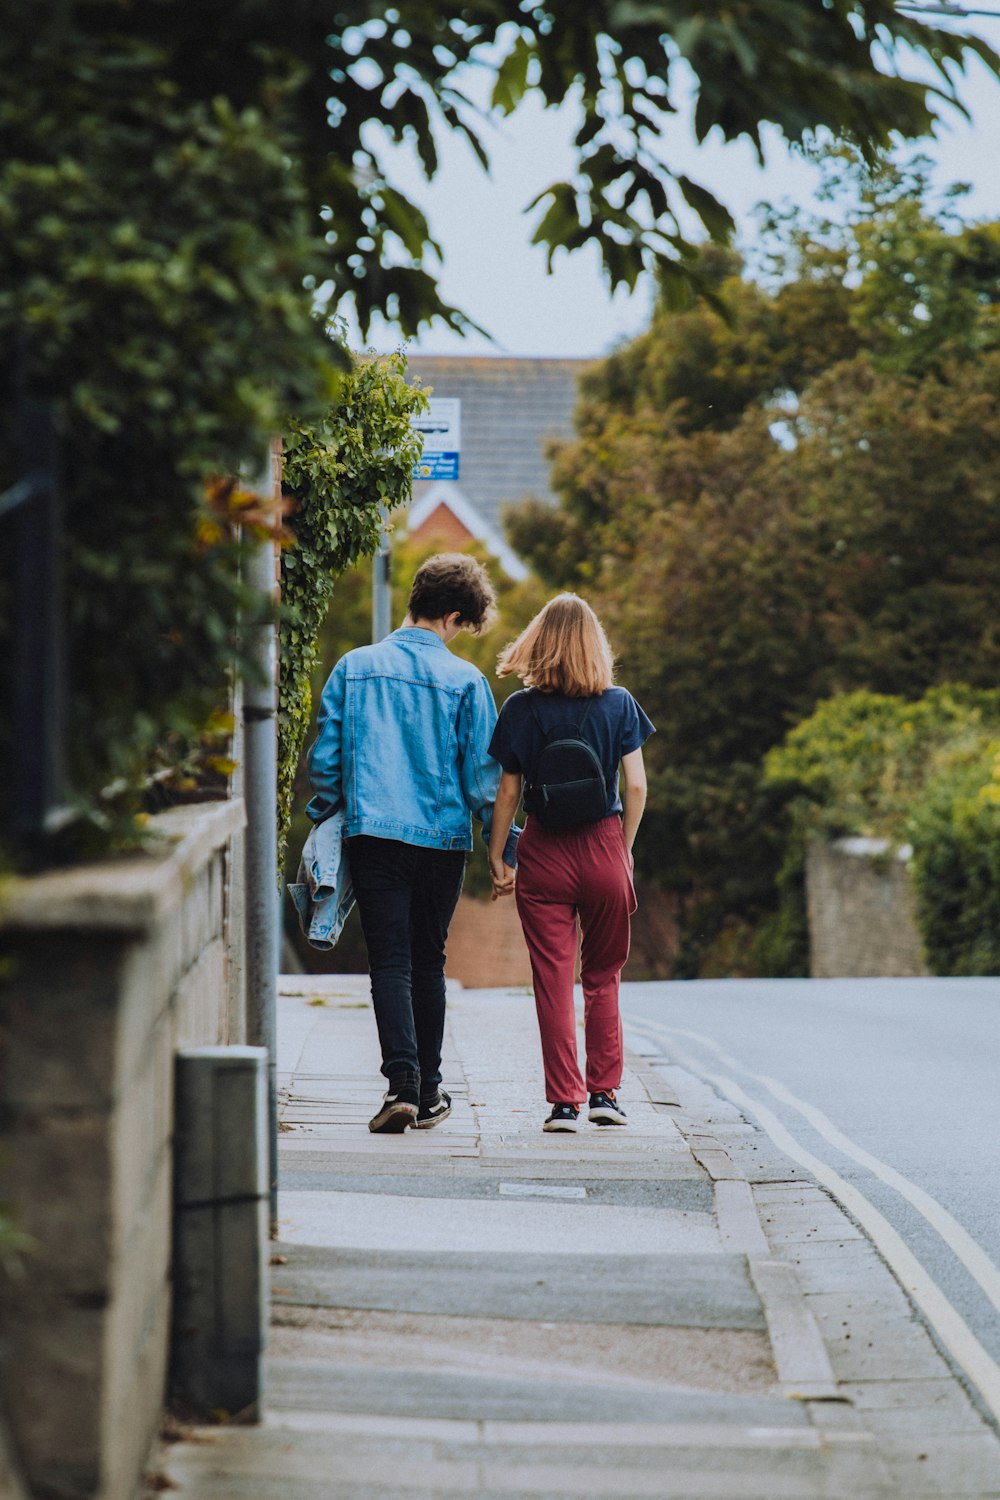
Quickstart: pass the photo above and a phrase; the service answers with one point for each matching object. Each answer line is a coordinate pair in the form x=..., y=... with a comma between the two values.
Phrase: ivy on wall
x=344, y=471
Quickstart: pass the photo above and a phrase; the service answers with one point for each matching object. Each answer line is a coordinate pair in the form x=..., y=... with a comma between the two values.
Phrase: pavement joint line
x=820, y=1443
x=578, y=1434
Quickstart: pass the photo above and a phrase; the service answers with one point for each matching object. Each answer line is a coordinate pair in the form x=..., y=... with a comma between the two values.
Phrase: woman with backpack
x=561, y=741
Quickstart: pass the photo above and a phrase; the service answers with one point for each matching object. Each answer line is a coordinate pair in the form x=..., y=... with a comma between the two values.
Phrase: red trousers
x=583, y=875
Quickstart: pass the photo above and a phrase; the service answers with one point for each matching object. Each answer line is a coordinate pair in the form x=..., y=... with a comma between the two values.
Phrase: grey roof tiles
x=511, y=408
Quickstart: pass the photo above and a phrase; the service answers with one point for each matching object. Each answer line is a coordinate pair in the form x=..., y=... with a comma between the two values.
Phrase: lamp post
x=260, y=760
x=381, y=588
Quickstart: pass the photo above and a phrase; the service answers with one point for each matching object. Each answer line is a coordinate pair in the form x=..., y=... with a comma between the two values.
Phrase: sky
x=492, y=272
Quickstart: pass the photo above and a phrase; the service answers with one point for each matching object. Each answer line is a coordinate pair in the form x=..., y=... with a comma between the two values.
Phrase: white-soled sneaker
x=562, y=1117
x=605, y=1109
x=432, y=1111
x=398, y=1112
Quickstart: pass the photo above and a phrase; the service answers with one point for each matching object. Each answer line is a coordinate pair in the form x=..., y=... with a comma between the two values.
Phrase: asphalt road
x=904, y=1071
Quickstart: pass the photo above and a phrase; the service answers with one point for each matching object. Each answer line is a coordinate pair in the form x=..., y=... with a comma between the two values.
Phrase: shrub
x=955, y=832
x=152, y=253
x=925, y=773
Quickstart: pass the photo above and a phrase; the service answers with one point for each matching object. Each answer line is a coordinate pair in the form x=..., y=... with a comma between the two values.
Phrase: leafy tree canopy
x=185, y=182
x=348, y=79
x=837, y=533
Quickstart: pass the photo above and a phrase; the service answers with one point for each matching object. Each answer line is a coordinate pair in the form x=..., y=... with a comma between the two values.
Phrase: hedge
x=923, y=772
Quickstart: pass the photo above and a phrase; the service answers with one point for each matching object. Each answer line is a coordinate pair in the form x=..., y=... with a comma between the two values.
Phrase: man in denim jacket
x=404, y=728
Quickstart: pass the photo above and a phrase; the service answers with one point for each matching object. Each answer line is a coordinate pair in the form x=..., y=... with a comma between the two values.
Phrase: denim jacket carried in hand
x=404, y=731
x=323, y=894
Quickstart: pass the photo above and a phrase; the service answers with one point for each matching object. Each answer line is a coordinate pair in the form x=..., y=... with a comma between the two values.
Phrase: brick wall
x=111, y=968
x=442, y=529
x=486, y=945
x=861, y=907
x=486, y=948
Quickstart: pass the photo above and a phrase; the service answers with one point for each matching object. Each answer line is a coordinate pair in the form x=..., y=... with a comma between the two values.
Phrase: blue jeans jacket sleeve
x=480, y=773
x=324, y=762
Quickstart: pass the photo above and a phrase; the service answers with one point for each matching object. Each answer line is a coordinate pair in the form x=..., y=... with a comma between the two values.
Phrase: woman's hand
x=508, y=796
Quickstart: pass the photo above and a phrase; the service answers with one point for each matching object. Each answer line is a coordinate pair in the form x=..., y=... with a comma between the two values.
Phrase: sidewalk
x=483, y=1310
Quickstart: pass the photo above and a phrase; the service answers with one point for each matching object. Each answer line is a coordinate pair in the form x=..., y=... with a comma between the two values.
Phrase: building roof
x=511, y=408
x=469, y=519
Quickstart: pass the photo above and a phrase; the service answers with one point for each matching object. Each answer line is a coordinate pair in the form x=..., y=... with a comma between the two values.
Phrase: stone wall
x=109, y=968
x=862, y=911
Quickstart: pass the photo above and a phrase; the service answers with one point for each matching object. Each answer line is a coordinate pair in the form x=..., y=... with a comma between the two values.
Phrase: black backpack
x=567, y=787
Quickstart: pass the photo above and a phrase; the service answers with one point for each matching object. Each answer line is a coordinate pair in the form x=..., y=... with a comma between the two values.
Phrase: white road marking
x=954, y=1333
x=958, y=1239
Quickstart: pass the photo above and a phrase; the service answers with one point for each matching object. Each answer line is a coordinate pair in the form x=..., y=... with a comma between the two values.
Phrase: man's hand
x=503, y=877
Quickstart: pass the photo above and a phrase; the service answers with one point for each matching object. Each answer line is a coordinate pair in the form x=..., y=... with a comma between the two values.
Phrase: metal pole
x=260, y=760
x=39, y=674
x=381, y=590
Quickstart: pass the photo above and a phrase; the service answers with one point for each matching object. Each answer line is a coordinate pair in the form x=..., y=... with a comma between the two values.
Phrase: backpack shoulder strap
x=535, y=714
x=548, y=733
x=586, y=715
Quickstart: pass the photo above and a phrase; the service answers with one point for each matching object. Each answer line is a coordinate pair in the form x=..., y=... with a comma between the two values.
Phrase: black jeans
x=406, y=898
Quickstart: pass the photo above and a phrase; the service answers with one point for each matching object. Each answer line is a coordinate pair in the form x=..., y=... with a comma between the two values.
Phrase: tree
x=342, y=81
x=840, y=537
x=185, y=184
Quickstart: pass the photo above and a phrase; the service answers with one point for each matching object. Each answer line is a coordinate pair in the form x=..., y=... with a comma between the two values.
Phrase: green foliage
x=840, y=536
x=860, y=762
x=351, y=82
x=345, y=471
x=926, y=773
x=955, y=831
x=152, y=248
x=183, y=184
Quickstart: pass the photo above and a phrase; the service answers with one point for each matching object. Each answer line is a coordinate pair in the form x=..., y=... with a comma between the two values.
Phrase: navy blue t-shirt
x=615, y=726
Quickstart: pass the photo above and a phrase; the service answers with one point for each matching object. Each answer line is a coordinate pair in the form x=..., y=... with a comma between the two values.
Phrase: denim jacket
x=404, y=730
x=323, y=894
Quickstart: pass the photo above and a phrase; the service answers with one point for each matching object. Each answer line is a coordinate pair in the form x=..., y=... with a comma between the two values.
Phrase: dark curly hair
x=451, y=581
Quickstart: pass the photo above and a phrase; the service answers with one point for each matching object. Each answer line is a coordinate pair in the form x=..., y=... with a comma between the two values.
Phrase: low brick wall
x=486, y=947
x=862, y=911
x=109, y=969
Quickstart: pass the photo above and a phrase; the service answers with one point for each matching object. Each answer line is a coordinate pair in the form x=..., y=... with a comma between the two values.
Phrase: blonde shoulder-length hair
x=563, y=650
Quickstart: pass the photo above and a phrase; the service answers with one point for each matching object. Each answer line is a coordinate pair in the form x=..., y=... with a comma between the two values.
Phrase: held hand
x=503, y=877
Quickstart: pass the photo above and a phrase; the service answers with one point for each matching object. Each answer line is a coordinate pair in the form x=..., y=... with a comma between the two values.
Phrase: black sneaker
x=398, y=1112
x=433, y=1110
x=562, y=1117
x=605, y=1109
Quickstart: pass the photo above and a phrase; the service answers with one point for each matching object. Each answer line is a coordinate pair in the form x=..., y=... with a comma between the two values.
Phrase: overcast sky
x=493, y=273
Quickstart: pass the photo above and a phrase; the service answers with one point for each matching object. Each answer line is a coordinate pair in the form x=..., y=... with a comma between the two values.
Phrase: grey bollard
x=221, y=1222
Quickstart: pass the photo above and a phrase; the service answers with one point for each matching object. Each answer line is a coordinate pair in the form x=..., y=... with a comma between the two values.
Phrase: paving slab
x=726, y=1361
x=702, y=1291
x=415, y=1391
x=501, y=1226
x=318, y=1174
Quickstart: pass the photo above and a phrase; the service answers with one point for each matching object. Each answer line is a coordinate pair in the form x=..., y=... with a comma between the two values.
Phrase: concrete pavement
x=673, y=1309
